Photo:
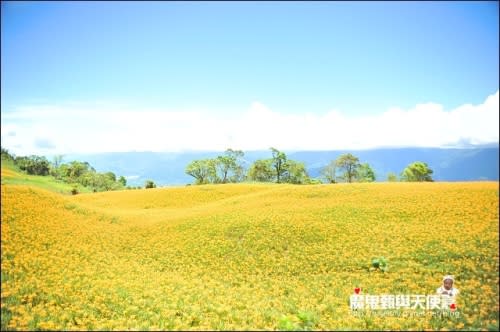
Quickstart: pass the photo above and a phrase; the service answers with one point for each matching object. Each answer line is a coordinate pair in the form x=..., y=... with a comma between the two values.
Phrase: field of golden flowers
x=246, y=256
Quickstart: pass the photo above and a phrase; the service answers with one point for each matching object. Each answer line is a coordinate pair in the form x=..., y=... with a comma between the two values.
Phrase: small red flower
x=357, y=290
x=453, y=306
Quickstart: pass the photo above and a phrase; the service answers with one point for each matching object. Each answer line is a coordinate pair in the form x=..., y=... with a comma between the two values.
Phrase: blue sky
x=181, y=65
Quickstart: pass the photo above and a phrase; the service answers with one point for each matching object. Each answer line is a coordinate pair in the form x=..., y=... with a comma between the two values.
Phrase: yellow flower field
x=246, y=256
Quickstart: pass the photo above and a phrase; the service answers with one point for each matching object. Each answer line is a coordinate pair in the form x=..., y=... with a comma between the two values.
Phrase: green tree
x=261, y=170
x=417, y=172
x=22, y=162
x=63, y=171
x=349, y=164
x=57, y=160
x=227, y=166
x=55, y=170
x=34, y=165
x=202, y=170
x=105, y=182
x=41, y=166
x=90, y=179
x=111, y=176
x=279, y=163
x=149, y=184
x=295, y=172
x=122, y=180
x=365, y=173
x=6, y=155
x=392, y=177
x=212, y=176
x=329, y=172
x=237, y=169
x=76, y=169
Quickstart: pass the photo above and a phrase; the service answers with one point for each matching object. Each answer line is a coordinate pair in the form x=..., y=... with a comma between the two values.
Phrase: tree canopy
x=365, y=173
x=417, y=172
x=349, y=164
x=222, y=169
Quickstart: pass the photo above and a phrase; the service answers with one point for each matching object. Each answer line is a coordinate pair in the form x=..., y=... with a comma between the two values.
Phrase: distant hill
x=167, y=168
x=448, y=164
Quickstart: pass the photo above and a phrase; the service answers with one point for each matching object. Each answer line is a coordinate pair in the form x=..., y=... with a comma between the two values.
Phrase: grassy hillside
x=12, y=175
x=246, y=256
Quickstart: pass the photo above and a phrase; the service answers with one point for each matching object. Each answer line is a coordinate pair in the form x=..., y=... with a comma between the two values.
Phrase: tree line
x=226, y=168
x=229, y=167
x=74, y=172
x=347, y=168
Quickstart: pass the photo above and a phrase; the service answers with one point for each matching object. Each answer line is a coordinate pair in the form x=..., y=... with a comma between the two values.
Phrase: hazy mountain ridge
x=167, y=168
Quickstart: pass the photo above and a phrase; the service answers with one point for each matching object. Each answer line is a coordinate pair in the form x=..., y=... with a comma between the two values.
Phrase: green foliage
x=380, y=263
x=295, y=172
x=329, y=172
x=6, y=155
x=349, y=164
x=74, y=173
x=76, y=169
x=392, y=177
x=222, y=169
x=111, y=176
x=417, y=172
x=45, y=182
x=122, y=181
x=286, y=324
x=57, y=160
x=279, y=169
x=303, y=321
x=279, y=163
x=307, y=320
x=351, y=167
x=149, y=184
x=313, y=181
x=365, y=173
x=202, y=170
x=33, y=165
x=228, y=168
x=261, y=171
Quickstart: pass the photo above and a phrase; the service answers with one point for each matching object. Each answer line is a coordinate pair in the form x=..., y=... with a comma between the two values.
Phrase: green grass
x=44, y=182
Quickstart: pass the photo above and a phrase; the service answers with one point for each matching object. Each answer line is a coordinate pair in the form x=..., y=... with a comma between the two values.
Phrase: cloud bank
x=50, y=129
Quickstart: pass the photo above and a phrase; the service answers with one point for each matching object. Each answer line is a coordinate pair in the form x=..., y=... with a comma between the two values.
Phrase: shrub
x=380, y=263
x=149, y=184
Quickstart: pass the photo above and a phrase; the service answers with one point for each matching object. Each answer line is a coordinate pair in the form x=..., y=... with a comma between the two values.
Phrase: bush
x=149, y=184
x=380, y=263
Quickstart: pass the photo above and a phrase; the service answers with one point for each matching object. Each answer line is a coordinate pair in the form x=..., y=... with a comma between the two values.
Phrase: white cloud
x=104, y=128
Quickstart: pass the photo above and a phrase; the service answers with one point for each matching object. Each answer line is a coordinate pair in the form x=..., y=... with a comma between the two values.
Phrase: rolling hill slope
x=244, y=256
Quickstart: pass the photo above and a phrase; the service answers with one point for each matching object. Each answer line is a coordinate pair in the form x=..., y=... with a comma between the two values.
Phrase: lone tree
x=329, y=172
x=417, y=172
x=149, y=184
x=349, y=164
x=279, y=163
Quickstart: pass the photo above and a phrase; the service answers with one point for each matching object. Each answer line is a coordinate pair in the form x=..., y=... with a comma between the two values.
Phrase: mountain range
x=167, y=168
